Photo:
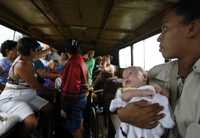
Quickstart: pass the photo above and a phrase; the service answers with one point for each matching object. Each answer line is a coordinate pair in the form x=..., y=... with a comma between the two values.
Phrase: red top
x=74, y=76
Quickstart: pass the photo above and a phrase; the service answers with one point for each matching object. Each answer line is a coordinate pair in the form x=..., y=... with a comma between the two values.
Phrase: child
x=135, y=89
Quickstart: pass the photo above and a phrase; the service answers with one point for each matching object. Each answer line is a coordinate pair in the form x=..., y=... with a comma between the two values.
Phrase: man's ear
x=193, y=29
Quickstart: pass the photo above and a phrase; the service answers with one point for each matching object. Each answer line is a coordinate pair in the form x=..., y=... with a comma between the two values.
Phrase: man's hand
x=141, y=114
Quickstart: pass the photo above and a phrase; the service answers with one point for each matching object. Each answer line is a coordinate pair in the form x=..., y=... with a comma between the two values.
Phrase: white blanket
x=129, y=131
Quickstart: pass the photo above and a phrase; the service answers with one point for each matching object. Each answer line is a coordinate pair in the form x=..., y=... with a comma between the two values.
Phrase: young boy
x=134, y=89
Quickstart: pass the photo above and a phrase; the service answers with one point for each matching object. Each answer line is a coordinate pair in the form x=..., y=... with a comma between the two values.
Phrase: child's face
x=133, y=78
x=12, y=53
x=42, y=72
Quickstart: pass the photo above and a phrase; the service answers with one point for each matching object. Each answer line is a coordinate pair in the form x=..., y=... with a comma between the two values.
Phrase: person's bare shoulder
x=23, y=67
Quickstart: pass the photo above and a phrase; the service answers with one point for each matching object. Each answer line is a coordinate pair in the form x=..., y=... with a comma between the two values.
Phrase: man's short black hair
x=26, y=44
x=7, y=46
x=74, y=48
x=189, y=9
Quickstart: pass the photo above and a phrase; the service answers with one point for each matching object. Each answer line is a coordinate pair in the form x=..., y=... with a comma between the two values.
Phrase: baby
x=134, y=89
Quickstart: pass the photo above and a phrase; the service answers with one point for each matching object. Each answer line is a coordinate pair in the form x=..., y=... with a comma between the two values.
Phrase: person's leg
x=24, y=114
x=78, y=133
x=31, y=121
x=73, y=123
x=45, y=115
x=46, y=120
x=79, y=109
x=74, y=113
x=29, y=124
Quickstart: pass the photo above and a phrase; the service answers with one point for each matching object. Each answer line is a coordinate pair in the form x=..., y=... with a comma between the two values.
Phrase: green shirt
x=90, y=64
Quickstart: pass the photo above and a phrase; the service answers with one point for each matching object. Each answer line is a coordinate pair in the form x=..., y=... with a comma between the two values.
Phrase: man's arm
x=141, y=114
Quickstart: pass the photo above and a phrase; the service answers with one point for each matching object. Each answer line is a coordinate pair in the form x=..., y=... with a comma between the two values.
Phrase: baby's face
x=133, y=78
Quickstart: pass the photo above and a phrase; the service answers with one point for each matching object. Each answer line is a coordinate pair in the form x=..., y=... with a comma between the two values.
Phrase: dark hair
x=74, y=48
x=7, y=46
x=189, y=9
x=26, y=44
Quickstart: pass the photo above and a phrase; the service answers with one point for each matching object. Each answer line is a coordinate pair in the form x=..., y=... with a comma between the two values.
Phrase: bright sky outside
x=145, y=54
x=5, y=34
x=125, y=57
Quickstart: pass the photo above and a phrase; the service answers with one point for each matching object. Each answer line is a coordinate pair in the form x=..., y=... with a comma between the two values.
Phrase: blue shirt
x=5, y=64
x=60, y=68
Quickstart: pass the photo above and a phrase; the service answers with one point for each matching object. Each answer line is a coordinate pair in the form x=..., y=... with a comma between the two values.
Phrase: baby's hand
x=163, y=91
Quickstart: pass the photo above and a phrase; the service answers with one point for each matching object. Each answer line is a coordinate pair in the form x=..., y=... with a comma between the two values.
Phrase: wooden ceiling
x=103, y=24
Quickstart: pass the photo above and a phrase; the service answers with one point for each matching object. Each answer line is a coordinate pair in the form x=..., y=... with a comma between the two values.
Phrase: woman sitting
x=19, y=96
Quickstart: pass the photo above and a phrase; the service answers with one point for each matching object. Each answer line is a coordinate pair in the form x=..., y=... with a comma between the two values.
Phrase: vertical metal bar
x=144, y=53
x=132, y=58
x=14, y=35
